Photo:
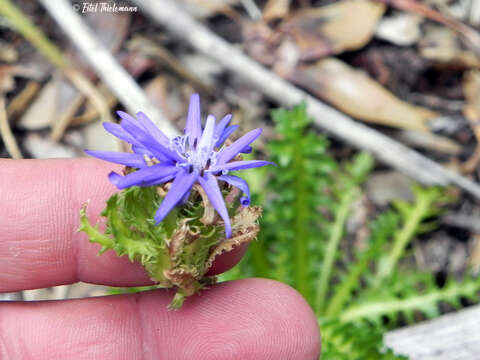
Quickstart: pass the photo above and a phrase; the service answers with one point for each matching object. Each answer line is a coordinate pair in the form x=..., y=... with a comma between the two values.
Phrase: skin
x=39, y=247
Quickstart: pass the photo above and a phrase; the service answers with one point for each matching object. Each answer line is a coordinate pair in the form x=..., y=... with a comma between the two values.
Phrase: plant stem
x=300, y=223
x=259, y=259
x=402, y=238
x=34, y=35
x=418, y=302
x=332, y=245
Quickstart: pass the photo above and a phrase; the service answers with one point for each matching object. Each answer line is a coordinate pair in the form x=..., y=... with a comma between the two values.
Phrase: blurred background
x=369, y=247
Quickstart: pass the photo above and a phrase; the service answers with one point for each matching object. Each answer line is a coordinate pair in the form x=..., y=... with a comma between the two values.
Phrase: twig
x=36, y=37
x=384, y=148
x=150, y=49
x=6, y=132
x=108, y=69
x=19, y=102
x=252, y=9
x=61, y=124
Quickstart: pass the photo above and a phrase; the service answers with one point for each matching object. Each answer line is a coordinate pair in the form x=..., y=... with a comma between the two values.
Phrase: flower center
x=197, y=158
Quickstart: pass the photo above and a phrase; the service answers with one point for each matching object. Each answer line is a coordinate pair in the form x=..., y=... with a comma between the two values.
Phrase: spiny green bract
x=180, y=250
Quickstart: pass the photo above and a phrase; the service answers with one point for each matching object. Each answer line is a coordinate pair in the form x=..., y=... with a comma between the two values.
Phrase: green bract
x=180, y=250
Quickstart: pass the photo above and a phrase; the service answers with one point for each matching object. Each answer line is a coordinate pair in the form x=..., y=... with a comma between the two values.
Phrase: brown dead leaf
x=245, y=229
x=474, y=259
x=276, y=9
x=332, y=29
x=356, y=94
x=470, y=35
x=443, y=46
x=427, y=140
x=471, y=90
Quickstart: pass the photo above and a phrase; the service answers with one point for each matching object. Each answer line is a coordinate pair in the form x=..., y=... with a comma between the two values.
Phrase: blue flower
x=199, y=156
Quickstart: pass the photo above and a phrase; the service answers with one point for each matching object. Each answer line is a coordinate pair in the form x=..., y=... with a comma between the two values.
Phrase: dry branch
x=108, y=69
x=389, y=151
x=6, y=132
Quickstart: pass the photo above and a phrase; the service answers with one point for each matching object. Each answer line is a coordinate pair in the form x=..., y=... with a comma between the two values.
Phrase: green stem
x=33, y=34
x=414, y=303
x=332, y=245
x=345, y=288
x=260, y=263
x=300, y=223
x=402, y=238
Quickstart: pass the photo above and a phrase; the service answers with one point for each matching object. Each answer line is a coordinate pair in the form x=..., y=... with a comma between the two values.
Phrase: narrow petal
x=153, y=129
x=180, y=186
x=246, y=150
x=141, y=150
x=228, y=153
x=240, y=165
x=133, y=160
x=220, y=128
x=210, y=185
x=116, y=179
x=193, y=129
x=206, y=141
x=148, y=141
x=238, y=183
x=226, y=133
x=143, y=176
x=120, y=132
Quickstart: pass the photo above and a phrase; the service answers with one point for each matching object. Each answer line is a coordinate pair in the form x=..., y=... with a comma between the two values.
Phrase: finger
x=244, y=319
x=39, y=218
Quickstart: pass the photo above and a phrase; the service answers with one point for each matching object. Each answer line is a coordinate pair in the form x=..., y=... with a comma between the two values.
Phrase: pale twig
x=340, y=125
x=108, y=69
x=36, y=37
x=6, y=132
x=63, y=120
x=19, y=102
x=252, y=9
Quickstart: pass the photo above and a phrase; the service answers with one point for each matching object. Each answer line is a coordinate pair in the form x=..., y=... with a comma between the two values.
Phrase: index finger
x=39, y=218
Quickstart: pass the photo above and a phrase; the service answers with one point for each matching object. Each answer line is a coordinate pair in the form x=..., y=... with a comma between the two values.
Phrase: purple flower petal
x=210, y=185
x=247, y=150
x=143, y=176
x=206, y=141
x=220, y=128
x=226, y=133
x=120, y=132
x=240, y=165
x=145, y=139
x=133, y=160
x=153, y=129
x=238, y=183
x=180, y=186
x=228, y=153
x=193, y=129
x=141, y=150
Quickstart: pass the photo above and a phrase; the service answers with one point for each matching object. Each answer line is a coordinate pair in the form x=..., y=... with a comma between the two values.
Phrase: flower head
x=199, y=156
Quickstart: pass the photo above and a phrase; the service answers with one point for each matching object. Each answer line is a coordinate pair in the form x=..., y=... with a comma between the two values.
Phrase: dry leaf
x=471, y=90
x=276, y=9
x=427, y=140
x=332, y=29
x=402, y=29
x=443, y=46
x=356, y=94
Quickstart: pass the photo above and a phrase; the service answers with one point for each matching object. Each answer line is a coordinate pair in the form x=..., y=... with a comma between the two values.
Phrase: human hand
x=39, y=247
